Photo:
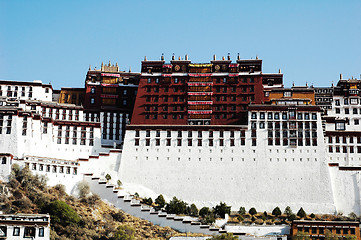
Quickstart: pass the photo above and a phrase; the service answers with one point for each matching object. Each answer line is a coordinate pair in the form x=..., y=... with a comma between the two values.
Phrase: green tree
x=312, y=215
x=227, y=236
x=330, y=236
x=160, y=202
x=193, y=210
x=204, y=211
x=288, y=211
x=176, y=206
x=276, y=211
x=242, y=211
x=301, y=236
x=61, y=213
x=147, y=201
x=252, y=211
x=119, y=183
x=301, y=213
x=124, y=232
x=108, y=177
x=292, y=217
x=209, y=218
x=221, y=210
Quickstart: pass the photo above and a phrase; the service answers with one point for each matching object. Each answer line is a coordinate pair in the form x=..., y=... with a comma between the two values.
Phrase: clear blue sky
x=55, y=41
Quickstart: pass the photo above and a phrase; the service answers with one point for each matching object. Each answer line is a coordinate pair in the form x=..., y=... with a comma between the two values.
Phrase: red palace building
x=109, y=99
x=215, y=93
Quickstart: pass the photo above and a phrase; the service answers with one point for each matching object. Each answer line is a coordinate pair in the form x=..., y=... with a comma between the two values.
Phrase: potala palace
x=203, y=132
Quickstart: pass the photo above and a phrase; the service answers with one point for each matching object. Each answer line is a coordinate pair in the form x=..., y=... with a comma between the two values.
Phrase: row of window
x=284, y=115
x=338, y=139
x=190, y=134
x=322, y=230
x=284, y=125
x=191, y=142
x=347, y=101
x=217, y=80
x=29, y=232
x=347, y=111
x=292, y=142
x=109, y=101
x=53, y=168
x=345, y=149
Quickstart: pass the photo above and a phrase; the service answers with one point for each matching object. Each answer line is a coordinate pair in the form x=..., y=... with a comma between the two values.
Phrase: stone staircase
x=130, y=205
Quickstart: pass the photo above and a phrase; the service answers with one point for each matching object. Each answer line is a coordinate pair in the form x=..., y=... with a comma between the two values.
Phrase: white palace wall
x=259, y=176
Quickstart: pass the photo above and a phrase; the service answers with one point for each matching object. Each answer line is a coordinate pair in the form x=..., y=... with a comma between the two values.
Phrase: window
x=29, y=232
x=287, y=94
x=337, y=102
x=354, y=110
x=92, y=100
x=340, y=126
x=277, y=116
x=337, y=110
x=3, y=160
x=41, y=232
x=16, y=231
x=92, y=90
x=149, y=80
x=254, y=115
x=262, y=115
x=347, y=111
x=356, y=121
x=345, y=102
x=269, y=116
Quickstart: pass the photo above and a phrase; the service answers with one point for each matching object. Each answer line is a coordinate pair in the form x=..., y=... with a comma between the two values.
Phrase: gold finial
x=341, y=76
x=222, y=57
x=279, y=70
x=145, y=58
x=238, y=57
x=173, y=57
x=186, y=57
x=130, y=69
x=257, y=57
x=214, y=57
x=90, y=67
x=179, y=58
x=162, y=57
x=116, y=64
x=102, y=64
x=109, y=63
x=228, y=57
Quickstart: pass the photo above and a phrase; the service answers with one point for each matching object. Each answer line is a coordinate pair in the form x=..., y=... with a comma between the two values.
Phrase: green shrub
x=276, y=211
x=221, y=210
x=124, y=232
x=312, y=215
x=61, y=213
x=301, y=213
x=292, y=217
x=160, y=202
x=288, y=211
x=108, y=177
x=147, y=201
x=242, y=211
x=252, y=211
x=193, y=210
x=204, y=211
x=118, y=216
x=176, y=206
x=227, y=236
